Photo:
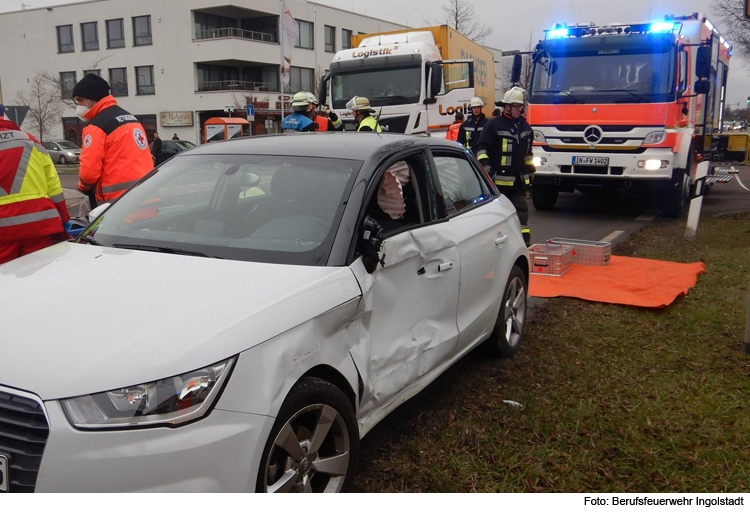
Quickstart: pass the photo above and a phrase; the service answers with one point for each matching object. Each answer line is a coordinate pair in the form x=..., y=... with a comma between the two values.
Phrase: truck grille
x=23, y=435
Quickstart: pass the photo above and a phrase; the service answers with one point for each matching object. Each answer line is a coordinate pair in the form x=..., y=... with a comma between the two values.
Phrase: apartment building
x=175, y=63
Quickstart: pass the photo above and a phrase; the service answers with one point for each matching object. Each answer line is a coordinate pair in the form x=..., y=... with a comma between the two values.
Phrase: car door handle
x=501, y=239
x=445, y=266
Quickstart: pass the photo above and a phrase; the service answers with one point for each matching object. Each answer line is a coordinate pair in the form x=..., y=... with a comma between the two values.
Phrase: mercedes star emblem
x=592, y=134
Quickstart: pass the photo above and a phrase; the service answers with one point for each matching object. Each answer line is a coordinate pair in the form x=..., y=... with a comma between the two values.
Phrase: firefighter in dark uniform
x=471, y=129
x=504, y=149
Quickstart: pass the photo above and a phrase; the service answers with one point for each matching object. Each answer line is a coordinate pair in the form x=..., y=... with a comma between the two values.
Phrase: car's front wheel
x=508, y=333
x=314, y=443
x=63, y=160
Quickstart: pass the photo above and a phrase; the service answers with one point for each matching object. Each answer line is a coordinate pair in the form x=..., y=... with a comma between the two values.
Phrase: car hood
x=80, y=319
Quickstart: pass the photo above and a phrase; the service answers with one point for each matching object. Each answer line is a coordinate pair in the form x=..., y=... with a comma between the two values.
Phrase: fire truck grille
x=23, y=435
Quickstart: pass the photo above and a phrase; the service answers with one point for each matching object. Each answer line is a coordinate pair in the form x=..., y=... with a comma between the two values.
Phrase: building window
x=213, y=26
x=65, y=38
x=118, y=82
x=306, y=32
x=346, y=39
x=67, y=82
x=264, y=28
x=218, y=77
x=90, y=36
x=142, y=30
x=330, y=34
x=302, y=79
x=115, y=34
x=98, y=72
x=144, y=80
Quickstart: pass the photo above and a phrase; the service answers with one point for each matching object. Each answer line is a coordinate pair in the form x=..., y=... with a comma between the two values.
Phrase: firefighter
x=299, y=120
x=471, y=129
x=32, y=204
x=452, y=133
x=504, y=149
x=363, y=120
x=115, y=152
x=328, y=123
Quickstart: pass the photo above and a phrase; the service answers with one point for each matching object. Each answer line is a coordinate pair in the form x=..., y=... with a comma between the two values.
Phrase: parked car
x=268, y=301
x=170, y=148
x=62, y=151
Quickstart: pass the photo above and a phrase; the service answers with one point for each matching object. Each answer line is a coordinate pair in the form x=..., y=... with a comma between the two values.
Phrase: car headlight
x=539, y=137
x=168, y=402
x=654, y=138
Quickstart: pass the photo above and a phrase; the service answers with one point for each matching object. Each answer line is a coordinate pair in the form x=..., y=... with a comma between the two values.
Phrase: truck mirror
x=703, y=62
x=702, y=87
x=322, y=90
x=515, y=73
x=436, y=79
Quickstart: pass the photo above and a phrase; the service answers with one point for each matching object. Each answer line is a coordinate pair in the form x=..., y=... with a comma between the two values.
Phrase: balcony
x=237, y=85
x=233, y=32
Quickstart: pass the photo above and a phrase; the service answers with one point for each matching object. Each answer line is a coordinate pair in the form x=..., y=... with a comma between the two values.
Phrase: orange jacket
x=321, y=124
x=32, y=203
x=115, y=151
x=453, y=131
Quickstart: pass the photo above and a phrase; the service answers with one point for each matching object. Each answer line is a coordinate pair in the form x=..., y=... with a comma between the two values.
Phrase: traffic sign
x=250, y=110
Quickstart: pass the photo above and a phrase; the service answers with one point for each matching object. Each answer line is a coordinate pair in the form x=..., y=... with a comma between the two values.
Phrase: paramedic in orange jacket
x=32, y=204
x=114, y=153
x=452, y=133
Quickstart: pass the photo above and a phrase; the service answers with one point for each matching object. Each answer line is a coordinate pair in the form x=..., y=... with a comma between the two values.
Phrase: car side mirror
x=372, y=239
x=96, y=212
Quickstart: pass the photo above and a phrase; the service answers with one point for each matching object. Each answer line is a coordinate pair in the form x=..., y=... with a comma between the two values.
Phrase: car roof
x=343, y=145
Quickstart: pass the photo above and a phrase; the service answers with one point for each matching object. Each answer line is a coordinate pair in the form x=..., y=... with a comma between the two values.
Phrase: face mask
x=81, y=110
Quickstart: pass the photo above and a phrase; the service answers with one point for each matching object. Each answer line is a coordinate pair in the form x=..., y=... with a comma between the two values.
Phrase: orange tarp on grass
x=627, y=280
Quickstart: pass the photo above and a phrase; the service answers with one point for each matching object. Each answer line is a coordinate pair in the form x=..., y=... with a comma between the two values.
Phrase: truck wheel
x=544, y=197
x=674, y=200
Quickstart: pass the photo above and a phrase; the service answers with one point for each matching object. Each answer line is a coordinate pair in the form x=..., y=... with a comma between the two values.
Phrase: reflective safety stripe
x=482, y=155
x=526, y=133
x=525, y=230
x=19, y=140
x=504, y=157
x=504, y=180
x=506, y=133
x=29, y=218
x=57, y=198
x=526, y=179
x=118, y=187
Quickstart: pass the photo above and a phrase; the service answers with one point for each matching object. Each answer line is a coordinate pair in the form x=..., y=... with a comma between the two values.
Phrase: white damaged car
x=243, y=316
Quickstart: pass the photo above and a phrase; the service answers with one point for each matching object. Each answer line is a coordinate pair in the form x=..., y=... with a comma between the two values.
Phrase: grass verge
x=615, y=398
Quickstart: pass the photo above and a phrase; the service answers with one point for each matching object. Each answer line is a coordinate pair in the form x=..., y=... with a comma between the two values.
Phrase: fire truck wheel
x=511, y=319
x=674, y=200
x=544, y=197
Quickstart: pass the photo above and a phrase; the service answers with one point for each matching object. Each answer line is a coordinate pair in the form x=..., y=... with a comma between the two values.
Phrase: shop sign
x=176, y=119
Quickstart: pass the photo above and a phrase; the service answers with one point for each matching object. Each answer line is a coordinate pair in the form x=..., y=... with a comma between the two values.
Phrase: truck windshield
x=383, y=87
x=619, y=69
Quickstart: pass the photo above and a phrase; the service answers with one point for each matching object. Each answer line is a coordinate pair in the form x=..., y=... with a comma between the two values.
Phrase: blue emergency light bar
x=660, y=27
x=561, y=32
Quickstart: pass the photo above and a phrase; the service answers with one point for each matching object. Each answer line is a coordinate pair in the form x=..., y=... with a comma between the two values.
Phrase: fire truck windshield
x=611, y=69
x=382, y=86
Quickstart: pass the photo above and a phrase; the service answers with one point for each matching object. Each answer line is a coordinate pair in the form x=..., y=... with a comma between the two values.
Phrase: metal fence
x=233, y=32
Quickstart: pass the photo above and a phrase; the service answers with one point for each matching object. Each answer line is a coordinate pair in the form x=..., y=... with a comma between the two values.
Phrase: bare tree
x=62, y=89
x=526, y=65
x=459, y=14
x=44, y=102
x=731, y=15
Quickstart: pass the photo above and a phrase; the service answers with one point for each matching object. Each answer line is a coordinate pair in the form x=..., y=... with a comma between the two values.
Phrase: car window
x=167, y=146
x=461, y=184
x=184, y=144
x=265, y=208
x=67, y=145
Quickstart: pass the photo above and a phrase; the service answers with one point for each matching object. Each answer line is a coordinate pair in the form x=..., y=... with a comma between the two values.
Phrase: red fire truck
x=627, y=107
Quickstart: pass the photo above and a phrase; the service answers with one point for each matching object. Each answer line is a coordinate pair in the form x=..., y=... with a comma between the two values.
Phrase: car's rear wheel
x=314, y=443
x=63, y=160
x=544, y=197
x=508, y=333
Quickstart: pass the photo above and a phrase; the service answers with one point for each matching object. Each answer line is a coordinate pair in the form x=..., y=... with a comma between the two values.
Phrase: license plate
x=591, y=160
x=4, y=477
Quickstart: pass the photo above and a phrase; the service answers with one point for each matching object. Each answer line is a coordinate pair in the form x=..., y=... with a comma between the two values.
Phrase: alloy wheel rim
x=514, y=312
x=310, y=453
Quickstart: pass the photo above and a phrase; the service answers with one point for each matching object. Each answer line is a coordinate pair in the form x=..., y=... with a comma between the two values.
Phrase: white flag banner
x=289, y=34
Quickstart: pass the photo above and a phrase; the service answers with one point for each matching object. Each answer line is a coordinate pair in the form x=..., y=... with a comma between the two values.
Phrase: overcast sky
x=513, y=21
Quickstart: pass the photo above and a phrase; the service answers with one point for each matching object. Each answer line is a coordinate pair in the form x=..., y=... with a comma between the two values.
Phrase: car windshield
x=185, y=145
x=620, y=69
x=273, y=209
x=67, y=145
